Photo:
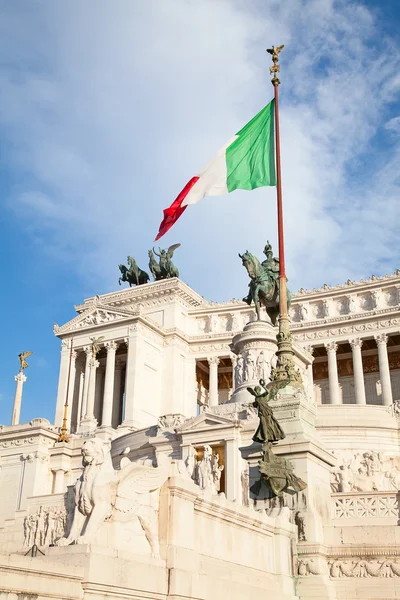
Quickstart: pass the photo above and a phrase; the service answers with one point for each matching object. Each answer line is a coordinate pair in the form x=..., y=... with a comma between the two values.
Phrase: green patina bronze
x=275, y=471
x=165, y=268
x=133, y=274
x=264, y=284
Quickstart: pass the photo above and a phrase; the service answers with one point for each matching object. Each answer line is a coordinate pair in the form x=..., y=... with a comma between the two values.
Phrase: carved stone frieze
x=44, y=527
x=366, y=472
x=170, y=422
x=361, y=567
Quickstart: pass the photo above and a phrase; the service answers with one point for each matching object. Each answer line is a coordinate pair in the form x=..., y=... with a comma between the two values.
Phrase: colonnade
x=213, y=390
x=359, y=386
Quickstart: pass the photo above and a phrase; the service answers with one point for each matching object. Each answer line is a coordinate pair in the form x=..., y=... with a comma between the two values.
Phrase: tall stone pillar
x=213, y=363
x=384, y=371
x=109, y=384
x=71, y=387
x=232, y=479
x=80, y=394
x=132, y=412
x=62, y=382
x=359, y=387
x=334, y=392
x=117, y=409
x=93, y=364
x=88, y=352
x=20, y=379
x=310, y=375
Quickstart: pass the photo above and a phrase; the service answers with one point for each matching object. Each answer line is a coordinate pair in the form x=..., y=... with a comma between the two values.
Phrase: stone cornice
x=350, y=286
x=149, y=291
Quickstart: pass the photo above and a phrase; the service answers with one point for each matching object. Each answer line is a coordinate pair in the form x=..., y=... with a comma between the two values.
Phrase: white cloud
x=109, y=108
x=393, y=124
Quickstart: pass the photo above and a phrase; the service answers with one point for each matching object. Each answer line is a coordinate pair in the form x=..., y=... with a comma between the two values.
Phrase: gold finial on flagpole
x=274, y=70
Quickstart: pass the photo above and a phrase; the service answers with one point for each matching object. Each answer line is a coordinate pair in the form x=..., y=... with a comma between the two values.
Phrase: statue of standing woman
x=268, y=429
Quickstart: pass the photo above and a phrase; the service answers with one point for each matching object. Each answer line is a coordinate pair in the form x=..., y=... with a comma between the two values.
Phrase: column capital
x=20, y=377
x=111, y=346
x=88, y=351
x=213, y=360
x=93, y=363
x=310, y=349
x=331, y=347
x=355, y=343
x=382, y=338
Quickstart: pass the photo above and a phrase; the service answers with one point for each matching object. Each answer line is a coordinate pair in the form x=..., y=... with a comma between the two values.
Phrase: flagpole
x=285, y=371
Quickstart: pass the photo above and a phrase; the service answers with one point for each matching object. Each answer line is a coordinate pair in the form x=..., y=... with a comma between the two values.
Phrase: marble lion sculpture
x=103, y=493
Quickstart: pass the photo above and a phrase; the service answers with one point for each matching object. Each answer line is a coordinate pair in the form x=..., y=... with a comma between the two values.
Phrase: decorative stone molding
x=93, y=363
x=362, y=506
x=170, y=421
x=310, y=566
x=356, y=343
x=321, y=334
x=111, y=346
x=360, y=567
x=349, y=283
x=331, y=347
x=213, y=360
x=382, y=338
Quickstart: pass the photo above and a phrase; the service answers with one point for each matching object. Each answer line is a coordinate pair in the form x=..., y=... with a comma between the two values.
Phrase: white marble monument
x=153, y=495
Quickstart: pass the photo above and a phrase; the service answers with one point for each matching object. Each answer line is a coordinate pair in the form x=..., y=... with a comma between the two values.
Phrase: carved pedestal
x=254, y=349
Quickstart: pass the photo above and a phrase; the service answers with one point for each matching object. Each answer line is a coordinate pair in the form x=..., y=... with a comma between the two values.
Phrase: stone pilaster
x=89, y=417
x=213, y=363
x=359, y=387
x=71, y=387
x=109, y=384
x=384, y=371
x=117, y=394
x=334, y=392
x=88, y=351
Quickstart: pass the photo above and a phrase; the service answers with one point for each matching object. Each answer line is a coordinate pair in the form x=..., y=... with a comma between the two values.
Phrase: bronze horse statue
x=134, y=275
x=264, y=287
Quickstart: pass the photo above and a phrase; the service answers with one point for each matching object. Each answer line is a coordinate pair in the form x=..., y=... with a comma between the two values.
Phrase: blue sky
x=108, y=108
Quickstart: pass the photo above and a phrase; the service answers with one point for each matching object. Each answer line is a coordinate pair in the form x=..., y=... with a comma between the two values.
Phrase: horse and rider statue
x=264, y=283
x=162, y=269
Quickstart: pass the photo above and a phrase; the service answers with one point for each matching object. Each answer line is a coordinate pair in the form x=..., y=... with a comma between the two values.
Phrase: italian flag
x=245, y=162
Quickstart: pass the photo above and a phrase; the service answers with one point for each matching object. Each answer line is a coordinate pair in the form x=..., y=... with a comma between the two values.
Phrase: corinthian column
x=334, y=393
x=109, y=384
x=88, y=352
x=359, y=388
x=384, y=371
x=93, y=364
x=20, y=379
x=213, y=363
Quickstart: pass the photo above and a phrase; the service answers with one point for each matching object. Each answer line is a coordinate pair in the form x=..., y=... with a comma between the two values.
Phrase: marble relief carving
x=360, y=567
x=206, y=472
x=367, y=472
x=44, y=527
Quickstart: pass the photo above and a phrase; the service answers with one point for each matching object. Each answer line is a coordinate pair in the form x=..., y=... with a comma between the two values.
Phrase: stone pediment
x=206, y=421
x=95, y=317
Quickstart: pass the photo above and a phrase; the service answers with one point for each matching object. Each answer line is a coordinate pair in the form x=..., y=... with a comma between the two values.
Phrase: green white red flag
x=245, y=162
